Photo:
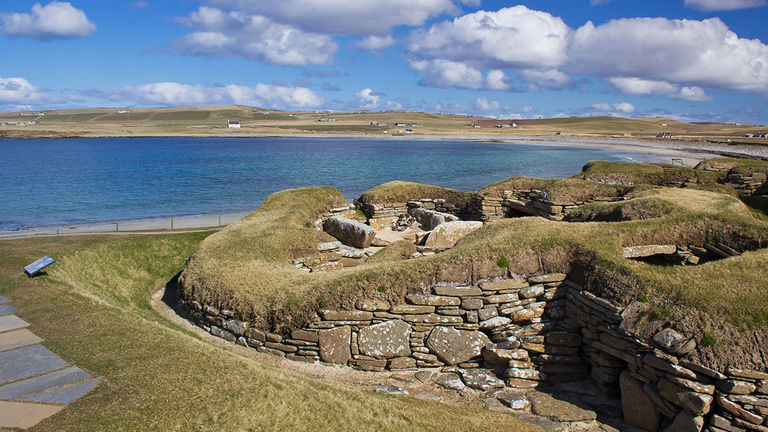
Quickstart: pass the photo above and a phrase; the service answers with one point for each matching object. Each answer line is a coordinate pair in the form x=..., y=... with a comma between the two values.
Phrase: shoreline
x=167, y=225
x=701, y=145
x=659, y=149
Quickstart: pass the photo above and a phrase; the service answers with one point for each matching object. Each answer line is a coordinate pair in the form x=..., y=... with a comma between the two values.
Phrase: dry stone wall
x=522, y=334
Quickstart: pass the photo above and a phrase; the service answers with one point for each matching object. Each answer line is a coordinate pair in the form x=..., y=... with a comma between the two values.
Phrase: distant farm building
x=380, y=124
x=489, y=123
x=326, y=119
x=664, y=135
x=233, y=124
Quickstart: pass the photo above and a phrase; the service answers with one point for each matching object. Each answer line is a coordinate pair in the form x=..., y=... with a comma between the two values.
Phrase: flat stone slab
x=4, y=300
x=24, y=415
x=7, y=309
x=17, y=338
x=28, y=387
x=547, y=406
x=11, y=322
x=28, y=361
x=65, y=395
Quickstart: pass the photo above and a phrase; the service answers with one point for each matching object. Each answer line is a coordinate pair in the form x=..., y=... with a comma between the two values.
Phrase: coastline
x=165, y=225
x=587, y=141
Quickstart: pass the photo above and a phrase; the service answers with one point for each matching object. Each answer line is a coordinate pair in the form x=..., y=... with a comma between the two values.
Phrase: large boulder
x=385, y=340
x=429, y=219
x=447, y=234
x=350, y=232
x=639, y=409
x=334, y=345
x=456, y=346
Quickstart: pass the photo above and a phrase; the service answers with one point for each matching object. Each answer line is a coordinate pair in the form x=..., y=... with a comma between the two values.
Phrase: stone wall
x=383, y=215
x=522, y=334
x=528, y=202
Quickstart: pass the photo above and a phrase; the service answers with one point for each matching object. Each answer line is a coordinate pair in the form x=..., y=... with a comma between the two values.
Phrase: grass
x=402, y=191
x=157, y=377
x=726, y=296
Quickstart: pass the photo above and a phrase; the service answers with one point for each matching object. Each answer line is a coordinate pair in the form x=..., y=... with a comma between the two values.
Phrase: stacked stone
x=381, y=216
x=742, y=401
x=543, y=329
x=534, y=202
x=486, y=208
x=428, y=218
x=747, y=184
x=331, y=256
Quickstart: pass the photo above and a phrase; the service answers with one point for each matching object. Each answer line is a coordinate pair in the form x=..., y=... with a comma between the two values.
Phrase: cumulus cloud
x=56, y=20
x=724, y=5
x=237, y=34
x=703, y=53
x=483, y=104
x=651, y=56
x=659, y=88
x=367, y=99
x=614, y=109
x=511, y=38
x=177, y=94
x=368, y=17
x=545, y=78
x=375, y=43
x=19, y=91
x=446, y=73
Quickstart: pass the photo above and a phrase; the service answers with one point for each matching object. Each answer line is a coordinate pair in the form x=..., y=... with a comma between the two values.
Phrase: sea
x=45, y=182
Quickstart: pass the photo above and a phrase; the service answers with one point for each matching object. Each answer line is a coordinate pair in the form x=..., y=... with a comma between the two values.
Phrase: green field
x=93, y=309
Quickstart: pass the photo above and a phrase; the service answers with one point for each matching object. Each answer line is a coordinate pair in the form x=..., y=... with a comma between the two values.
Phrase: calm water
x=47, y=182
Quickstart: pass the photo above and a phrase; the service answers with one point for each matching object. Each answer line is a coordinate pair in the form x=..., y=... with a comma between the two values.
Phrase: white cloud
x=394, y=105
x=545, y=78
x=237, y=34
x=483, y=104
x=700, y=53
x=497, y=80
x=651, y=56
x=511, y=38
x=19, y=91
x=614, y=109
x=446, y=73
x=261, y=95
x=367, y=99
x=659, y=88
x=724, y=5
x=368, y=17
x=56, y=20
x=375, y=43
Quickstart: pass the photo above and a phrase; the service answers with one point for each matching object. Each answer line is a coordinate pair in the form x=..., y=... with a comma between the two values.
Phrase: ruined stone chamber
x=510, y=328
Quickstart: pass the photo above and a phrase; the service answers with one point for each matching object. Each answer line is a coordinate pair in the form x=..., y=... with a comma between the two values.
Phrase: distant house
x=123, y=112
x=326, y=119
x=233, y=124
x=380, y=124
x=409, y=131
x=664, y=135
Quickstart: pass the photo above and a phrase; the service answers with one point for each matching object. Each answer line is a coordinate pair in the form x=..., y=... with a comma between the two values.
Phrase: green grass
x=157, y=377
x=401, y=192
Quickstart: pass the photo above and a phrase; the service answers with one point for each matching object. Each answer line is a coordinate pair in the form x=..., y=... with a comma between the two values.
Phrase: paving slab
x=28, y=361
x=7, y=309
x=11, y=322
x=4, y=300
x=25, y=415
x=65, y=395
x=17, y=338
x=31, y=386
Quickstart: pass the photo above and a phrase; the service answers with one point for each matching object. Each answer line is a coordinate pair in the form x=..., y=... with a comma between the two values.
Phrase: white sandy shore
x=659, y=146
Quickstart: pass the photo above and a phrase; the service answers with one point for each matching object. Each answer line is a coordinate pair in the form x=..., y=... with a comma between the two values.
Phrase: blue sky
x=697, y=60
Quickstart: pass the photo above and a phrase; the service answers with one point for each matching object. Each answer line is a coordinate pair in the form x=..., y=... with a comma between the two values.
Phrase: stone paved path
x=35, y=383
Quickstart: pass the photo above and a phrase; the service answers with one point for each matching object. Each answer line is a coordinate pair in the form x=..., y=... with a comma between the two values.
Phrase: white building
x=233, y=125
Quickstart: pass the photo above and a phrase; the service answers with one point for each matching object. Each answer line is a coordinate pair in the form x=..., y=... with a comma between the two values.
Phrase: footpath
x=35, y=383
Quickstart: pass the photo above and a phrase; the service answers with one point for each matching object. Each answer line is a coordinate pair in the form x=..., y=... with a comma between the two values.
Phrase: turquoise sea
x=69, y=181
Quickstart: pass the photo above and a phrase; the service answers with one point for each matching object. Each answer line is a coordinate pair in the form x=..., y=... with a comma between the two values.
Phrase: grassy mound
x=247, y=267
x=559, y=191
x=401, y=191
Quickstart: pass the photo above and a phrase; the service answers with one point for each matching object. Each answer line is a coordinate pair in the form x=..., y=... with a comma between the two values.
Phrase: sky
x=690, y=60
